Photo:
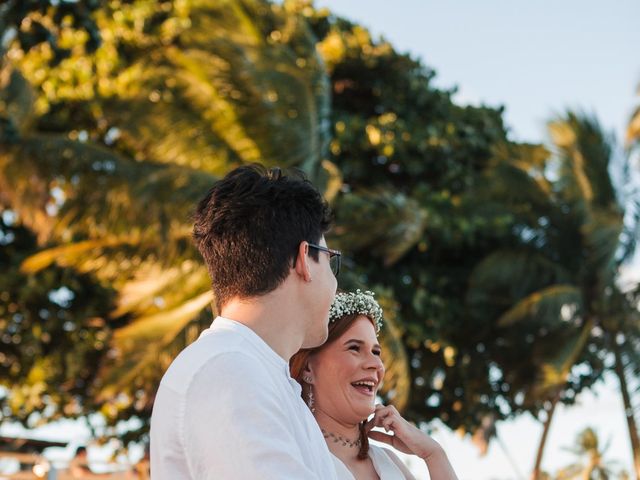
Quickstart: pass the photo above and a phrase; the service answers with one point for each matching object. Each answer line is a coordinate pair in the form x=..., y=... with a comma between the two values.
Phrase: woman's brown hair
x=299, y=361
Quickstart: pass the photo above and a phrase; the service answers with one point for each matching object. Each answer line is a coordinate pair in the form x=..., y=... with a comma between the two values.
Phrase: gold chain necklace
x=339, y=438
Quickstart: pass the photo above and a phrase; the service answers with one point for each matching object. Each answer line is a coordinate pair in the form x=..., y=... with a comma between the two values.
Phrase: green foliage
x=36, y=22
x=105, y=153
x=54, y=331
x=227, y=82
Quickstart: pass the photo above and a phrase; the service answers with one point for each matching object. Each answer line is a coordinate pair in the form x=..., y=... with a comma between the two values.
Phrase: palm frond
x=585, y=152
x=517, y=179
x=560, y=354
x=394, y=223
x=51, y=183
x=507, y=276
x=230, y=92
x=630, y=232
x=69, y=254
x=513, y=184
x=153, y=288
x=162, y=326
x=196, y=70
x=142, y=349
x=545, y=306
x=602, y=238
x=132, y=232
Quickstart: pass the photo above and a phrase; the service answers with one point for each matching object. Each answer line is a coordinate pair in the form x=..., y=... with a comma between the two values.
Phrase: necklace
x=339, y=438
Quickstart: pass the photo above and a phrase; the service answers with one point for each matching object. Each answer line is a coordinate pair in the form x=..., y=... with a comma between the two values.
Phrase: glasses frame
x=332, y=253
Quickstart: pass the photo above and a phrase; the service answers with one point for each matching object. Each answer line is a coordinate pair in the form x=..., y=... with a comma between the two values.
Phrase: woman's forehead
x=362, y=328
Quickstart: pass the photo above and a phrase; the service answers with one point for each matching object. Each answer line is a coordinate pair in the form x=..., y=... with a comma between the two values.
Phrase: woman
x=339, y=383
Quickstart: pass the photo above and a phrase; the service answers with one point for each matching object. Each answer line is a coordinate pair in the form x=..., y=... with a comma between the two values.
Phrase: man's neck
x=271, y=319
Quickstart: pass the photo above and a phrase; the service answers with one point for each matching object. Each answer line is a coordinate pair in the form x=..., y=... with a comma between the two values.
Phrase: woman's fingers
x=375, y=420
x=386, y=417
x=387, y=423
x=404, y=437
x=381, y=437
x=369, y=425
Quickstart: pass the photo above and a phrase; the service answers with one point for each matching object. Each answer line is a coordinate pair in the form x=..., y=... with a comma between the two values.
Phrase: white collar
x=224, y=323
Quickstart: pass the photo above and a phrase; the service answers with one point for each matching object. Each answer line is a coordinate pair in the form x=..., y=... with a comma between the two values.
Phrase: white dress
x=383, y=463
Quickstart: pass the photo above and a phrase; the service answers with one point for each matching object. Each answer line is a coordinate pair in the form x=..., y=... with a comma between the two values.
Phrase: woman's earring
x=310, y=400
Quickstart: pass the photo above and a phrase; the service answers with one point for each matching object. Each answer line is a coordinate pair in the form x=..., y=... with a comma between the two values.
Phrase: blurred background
x=482, y=161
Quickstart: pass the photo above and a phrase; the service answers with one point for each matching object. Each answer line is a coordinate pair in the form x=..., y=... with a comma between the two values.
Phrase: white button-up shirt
x=227, y=408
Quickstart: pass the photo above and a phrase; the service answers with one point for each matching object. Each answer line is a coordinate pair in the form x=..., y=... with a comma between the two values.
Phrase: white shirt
x=385, y=463
x=227, y=408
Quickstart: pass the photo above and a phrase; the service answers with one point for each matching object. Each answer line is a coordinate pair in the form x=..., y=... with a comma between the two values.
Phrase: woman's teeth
x=365, y=385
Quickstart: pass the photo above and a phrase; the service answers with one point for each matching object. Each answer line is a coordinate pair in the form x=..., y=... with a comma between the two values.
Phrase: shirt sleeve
x=236, y=426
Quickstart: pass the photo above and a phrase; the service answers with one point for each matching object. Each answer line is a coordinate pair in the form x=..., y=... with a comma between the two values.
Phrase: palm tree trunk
x=535, y=475
x=628, y=410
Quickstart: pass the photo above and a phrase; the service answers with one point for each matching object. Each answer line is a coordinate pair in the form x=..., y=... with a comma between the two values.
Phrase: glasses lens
x=334, y=262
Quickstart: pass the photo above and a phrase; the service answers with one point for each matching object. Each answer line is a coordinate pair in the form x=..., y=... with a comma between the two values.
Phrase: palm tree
x=587, y=444
x=559, y=276
x=622, y=328
x=625, y=334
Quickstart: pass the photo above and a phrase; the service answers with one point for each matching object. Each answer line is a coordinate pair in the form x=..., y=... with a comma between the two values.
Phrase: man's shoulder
x=219, y=352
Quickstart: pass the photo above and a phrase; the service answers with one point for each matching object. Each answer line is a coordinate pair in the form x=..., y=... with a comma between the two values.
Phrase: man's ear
x=302, y=261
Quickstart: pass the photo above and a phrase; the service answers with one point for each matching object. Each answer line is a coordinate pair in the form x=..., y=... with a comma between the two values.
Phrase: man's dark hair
x=249, y=226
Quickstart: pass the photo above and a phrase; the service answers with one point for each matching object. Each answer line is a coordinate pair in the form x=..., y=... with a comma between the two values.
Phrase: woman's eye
x=377, y=352
x=354, y=347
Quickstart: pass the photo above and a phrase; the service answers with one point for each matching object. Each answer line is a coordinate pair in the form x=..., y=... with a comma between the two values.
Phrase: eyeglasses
x=334, y=257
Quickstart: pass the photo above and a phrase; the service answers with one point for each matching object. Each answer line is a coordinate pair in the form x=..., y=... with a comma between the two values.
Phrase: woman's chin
x=356, y=415
x=364, y=413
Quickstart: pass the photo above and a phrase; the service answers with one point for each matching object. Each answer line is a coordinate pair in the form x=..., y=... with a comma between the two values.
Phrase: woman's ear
x=307, y=374
x=302, y=262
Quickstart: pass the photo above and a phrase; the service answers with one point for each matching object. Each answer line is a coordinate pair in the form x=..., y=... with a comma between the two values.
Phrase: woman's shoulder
x=388, y=464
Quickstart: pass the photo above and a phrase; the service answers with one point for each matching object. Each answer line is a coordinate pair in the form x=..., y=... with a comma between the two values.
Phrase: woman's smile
x=366, y=386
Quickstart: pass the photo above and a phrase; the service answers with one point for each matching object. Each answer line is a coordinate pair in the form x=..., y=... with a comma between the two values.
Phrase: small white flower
x=357, y=302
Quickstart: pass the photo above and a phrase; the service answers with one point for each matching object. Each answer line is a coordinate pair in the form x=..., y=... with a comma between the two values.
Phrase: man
x=226, y=407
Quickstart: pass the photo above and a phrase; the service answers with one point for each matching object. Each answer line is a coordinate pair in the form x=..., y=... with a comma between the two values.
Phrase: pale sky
x=533, y=57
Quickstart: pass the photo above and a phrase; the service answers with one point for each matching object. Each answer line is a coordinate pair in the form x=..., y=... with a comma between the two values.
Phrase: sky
x=535, y=58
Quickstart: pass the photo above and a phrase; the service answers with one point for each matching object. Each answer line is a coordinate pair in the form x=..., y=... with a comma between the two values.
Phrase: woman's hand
x=411, y=440
x=406, y=437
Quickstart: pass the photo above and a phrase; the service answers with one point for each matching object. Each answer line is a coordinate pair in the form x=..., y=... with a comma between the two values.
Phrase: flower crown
x=362, y=303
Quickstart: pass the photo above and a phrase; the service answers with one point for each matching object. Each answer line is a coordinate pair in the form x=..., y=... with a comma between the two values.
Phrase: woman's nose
x=374, y=362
